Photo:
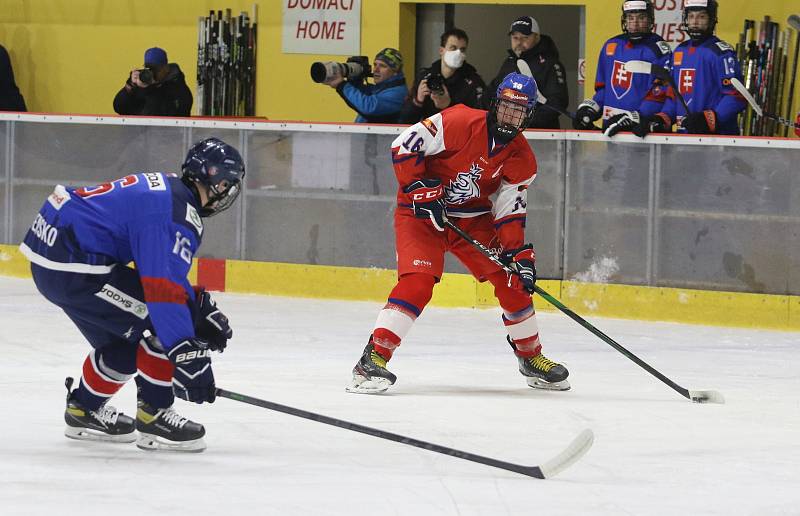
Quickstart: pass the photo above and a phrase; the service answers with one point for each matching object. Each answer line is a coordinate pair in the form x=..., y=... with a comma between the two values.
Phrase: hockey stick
x=636, y=66
x=524, y=69
x=696, y=396
x=576, y=449
x=759, y=111
x=794, y=22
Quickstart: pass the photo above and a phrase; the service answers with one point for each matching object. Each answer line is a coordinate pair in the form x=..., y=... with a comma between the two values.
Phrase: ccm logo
x=427, y=194
x=188, y=357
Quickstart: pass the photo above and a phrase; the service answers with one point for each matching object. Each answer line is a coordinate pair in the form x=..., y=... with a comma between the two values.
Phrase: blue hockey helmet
x=220, y=168
x=511, y=110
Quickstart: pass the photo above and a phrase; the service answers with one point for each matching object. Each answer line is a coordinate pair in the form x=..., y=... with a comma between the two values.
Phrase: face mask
x=454, y=58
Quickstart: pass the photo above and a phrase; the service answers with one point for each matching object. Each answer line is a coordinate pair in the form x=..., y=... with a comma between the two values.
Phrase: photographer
x=449, y=81
x=540, y=53
x=377, y=103
x=157, y=89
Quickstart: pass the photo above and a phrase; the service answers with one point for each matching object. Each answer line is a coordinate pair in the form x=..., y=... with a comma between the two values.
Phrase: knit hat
x=392, y=57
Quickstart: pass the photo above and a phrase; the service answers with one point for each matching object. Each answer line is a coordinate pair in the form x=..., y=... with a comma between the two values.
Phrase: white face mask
x=454, y=58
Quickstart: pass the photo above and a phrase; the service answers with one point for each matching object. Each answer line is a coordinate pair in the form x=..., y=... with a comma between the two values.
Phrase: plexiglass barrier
x=705, y=213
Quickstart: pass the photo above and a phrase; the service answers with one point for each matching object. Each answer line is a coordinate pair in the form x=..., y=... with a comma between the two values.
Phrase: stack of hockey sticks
x=226, y=64
x=763, y=52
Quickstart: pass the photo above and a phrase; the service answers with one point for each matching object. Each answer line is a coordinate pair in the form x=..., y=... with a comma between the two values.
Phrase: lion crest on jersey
x=465, y=186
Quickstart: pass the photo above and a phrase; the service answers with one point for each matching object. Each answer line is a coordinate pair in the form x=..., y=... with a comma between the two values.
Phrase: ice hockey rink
x=654, y=451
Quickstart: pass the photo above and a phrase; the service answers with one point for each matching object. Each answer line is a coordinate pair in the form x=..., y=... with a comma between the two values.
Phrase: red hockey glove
x=523, y=261
x=427, y=197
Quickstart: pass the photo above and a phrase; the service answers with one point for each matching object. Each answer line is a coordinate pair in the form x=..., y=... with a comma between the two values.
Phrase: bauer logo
x=155, y=181
x=123, y=301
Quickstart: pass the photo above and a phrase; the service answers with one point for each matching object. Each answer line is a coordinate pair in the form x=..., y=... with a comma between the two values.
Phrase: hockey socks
x=405, y=304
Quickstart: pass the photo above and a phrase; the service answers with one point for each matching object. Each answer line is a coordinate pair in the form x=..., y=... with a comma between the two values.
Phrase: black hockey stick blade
x=794, y=22
x=576, y=449
x=707, y=396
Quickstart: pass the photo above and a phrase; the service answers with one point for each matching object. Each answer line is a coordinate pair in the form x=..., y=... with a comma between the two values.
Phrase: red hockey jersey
x=478, y=177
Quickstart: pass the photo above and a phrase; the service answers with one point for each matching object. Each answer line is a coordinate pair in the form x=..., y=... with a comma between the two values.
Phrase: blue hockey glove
x=427, y=196
x=193, y=379
x=523, y=261
x=210, y=323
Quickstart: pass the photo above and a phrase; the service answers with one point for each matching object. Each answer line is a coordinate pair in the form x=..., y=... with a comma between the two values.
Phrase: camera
x=356, y=67
x=146, y=76
x=435, y=80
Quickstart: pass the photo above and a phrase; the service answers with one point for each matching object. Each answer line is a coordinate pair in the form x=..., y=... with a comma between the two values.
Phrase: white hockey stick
x=748, y=97
x=524, y=69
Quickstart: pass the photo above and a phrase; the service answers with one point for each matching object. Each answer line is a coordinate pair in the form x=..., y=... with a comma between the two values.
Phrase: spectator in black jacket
x=10, y=97
x=460, y=82
x=158, y=89
x=541, y=54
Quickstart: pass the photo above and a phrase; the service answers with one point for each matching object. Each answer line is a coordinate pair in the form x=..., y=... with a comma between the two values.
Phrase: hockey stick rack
x=576, y=449
x=708, y=396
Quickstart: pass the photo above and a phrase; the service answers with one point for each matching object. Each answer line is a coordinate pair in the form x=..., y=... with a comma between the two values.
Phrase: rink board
x=461, y=290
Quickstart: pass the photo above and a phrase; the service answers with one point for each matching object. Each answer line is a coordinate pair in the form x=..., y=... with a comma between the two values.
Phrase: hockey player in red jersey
x=472, y=168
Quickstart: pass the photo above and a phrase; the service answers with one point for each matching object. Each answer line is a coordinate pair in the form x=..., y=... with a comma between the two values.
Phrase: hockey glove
x=427, y=196
x=658, y=123
x=588, y=111
x=622, y=122
x=522, y=260
x=210, y=323
x=704, y=122
x=192, y=379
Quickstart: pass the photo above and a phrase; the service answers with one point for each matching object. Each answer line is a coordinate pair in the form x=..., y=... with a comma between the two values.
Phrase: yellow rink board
x=461, y=290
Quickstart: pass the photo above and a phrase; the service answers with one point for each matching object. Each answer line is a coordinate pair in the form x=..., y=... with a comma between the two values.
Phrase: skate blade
x=363, y=385
x=538, y=383
x=88, y=434
x=150, y=442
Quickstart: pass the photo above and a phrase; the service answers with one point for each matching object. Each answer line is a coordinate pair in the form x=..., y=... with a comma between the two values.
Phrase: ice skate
x=370, y=375
x=542, y=373
x=103, y=424
x=166, y=430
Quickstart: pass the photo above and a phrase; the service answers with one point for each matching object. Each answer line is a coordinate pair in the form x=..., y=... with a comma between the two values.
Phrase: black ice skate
x=542, y=373
x=165, y=429
x=370, y=375
x=103, y=424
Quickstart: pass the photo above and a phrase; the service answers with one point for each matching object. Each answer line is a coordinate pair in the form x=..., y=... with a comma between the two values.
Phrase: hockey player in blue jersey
x=702, y=69
x=620, y=93
x=146, y=321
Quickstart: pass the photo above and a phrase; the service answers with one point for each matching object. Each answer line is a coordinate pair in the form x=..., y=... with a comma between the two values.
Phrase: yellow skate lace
x=377, y=359
x=542, y=363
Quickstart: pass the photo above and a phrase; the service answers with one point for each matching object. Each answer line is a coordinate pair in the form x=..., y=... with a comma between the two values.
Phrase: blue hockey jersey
x=150, y=219
x=619, y=91
x=702, y=72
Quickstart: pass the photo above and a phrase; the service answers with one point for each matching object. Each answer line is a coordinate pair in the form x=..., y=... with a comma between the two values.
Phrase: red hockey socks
x=405, y=304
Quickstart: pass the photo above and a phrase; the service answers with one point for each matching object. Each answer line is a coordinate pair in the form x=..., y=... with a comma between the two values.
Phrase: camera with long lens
x=356, y=68
x=146, y=76
x=435, y=80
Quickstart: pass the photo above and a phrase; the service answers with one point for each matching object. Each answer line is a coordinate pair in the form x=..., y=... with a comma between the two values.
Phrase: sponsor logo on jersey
x=422, y=263
x=155, y=181
x=465, y=186
x=611, y=48
x=686, y=80
x=123, y=301
x=44, y=231
x=59, y=197
x=430, y=126
x=677, y=58
x=193, y=218
x=621, y=79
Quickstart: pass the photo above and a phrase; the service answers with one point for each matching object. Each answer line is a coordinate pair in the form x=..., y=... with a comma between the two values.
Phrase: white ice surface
x=654, y=453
